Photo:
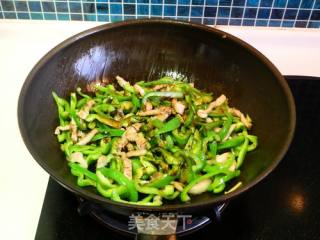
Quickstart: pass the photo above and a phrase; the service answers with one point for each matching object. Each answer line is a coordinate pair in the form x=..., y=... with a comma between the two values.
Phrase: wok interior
x=146, y=52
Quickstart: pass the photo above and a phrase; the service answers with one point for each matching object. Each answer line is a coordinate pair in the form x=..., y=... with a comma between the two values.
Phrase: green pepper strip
x=211, y=125
x=82, y=102
x=162, y=94
x=160, y=183
x=184, y=194
x=136, y=103
x=181, y=138
x=164, y=80
x=120, y=190
x=169, y=126
x=197, y=152
x=121, y=98
x=81, y=181
x=111, y=92
x=191, y=174
x=156, y=122
x=219, y=188
x=103, y=181
x=233, y=142
x=103, y=107
x=172, y=196
x=242, y=152
x=111, y=131
x=170, y=159
x=226, y=126
x=108, y=121
x=213, y=147
x=73, y=105
x=144, y=202
x=61, y=137
x=62, y=108
x=147, y=199
x=84, y=171
x=254, y=140
x=99, y=136
x=82, y=94
x=223, y=179
x=169, y=142
x=90, y=149
x=147, y=190
x=148, y=167
x=191, y=112
x=122, y=180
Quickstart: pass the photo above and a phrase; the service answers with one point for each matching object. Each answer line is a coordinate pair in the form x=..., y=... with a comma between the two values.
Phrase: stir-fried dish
x=153, y=141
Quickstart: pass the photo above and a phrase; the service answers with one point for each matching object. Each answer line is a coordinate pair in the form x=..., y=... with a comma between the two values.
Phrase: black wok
x=145, y=50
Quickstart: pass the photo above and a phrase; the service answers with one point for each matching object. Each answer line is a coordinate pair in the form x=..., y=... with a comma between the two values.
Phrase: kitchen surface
x=292, y=188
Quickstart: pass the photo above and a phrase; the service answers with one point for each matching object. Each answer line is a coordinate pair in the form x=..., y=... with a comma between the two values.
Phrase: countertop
x=23, y=43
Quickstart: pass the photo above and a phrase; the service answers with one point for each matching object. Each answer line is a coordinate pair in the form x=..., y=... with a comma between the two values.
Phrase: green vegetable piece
x=162, y=94
x=63, y=108
x=169, y=142
x=119, y=190
x=226, y=126
x=170, y=159
x=254, y=140
x=160, y=183
x=168, y=190
x=169, y=126
x=84, y=171
x=222, y=179
x=103, y=181
x=82, y=181
x=112, y=132
x=242, y=153
x=149, y=168
x=136, y=103
x=164, y=80
x=181, y=138
x=213, y=147
x=122, y=180
x=219, y=188
x=184, y=194
x=156, y=122
x=231, y=143
x=147, y=190
x=108, y=121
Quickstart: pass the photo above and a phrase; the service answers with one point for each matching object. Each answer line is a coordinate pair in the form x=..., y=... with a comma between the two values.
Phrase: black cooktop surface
x=286, y=205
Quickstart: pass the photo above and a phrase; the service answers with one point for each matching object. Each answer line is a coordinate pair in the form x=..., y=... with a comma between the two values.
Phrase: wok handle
x=142, y=236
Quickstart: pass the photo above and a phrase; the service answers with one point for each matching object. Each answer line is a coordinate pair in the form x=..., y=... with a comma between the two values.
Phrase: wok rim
x=172, y=207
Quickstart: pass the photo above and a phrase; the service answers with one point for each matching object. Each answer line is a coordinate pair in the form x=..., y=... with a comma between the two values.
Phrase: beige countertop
x=23, y=43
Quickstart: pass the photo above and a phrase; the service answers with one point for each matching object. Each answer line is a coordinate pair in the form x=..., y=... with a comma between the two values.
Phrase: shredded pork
x=58, y=129
x=84, y=112
x=78, y=158
x=203, y=113
x=73, y=129
x=178, y=106
x=139, y=89
x=87, y=138
x=245, y=120
x=200, y=187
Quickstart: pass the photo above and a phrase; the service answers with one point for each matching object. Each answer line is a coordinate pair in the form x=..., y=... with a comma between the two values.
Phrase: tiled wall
x=272, y=13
